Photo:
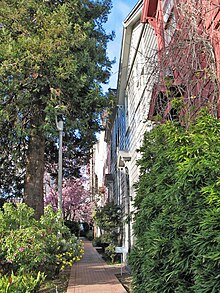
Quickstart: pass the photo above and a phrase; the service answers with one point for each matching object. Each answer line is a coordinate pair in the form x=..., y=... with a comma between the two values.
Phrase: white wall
x=135, y=90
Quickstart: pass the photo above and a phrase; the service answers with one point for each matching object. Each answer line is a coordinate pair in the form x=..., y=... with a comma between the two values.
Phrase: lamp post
x=59, y=124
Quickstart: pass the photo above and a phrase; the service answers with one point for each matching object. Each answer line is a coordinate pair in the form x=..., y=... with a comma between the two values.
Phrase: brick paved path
x=93, y=275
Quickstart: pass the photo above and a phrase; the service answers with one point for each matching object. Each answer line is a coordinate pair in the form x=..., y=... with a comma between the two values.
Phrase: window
x=162, y=108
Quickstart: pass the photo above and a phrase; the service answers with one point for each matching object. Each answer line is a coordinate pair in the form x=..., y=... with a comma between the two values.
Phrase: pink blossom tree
x=76, y=200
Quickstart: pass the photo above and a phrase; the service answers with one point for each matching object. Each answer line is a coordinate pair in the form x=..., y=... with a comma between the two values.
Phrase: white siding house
x=129, y=120
x=137, y=74
x=97, y=174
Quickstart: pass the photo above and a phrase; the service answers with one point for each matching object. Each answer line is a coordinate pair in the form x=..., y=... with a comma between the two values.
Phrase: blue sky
x=120, y=10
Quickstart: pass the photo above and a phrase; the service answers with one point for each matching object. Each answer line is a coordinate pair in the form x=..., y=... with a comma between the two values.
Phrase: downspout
x=128, y=207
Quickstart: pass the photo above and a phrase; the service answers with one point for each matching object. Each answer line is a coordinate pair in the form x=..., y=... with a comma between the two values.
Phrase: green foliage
x=73, y=226
x=69, y=251
x=16, y=217
x=89, y=235
x=109, y=237
x=110, y=252
x=178, y=213
x=52, y=59
x=52, y=222
x=21, y=283
x=177, y=104
x=29, y=245
x=97, y=242
x=30, y=248
x=104, y=240
x=108, y=217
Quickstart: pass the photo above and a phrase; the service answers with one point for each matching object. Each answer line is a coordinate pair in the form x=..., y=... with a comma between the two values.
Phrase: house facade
x=188, y=34
x=169, y=69
x=128, y=123
x=97, y=173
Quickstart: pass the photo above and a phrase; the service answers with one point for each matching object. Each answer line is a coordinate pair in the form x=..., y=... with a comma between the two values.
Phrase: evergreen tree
x=52, y=59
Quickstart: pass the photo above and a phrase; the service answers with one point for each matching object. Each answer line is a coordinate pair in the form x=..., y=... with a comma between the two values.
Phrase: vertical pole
x=121, y=263
x=60, y=175
x=128, y=207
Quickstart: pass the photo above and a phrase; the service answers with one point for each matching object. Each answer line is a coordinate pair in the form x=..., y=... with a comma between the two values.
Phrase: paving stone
x=93, y=275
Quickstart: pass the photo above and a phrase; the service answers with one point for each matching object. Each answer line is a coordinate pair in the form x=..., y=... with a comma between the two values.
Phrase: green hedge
x=177, y=220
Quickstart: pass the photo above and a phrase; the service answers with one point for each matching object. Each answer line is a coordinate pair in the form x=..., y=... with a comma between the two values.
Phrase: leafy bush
x=52, y=222
x=73, y=226
x=21, y=283
x=110, y=252
x=97, y=242
x=69, y=251
x=89, y=235
x=108, y=217
x=30, y=248
x=14, y=217
x=29, y=245
x=177, y=218
x=109, y=237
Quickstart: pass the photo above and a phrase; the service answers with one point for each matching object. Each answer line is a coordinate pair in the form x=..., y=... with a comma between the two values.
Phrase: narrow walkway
x=93, y=275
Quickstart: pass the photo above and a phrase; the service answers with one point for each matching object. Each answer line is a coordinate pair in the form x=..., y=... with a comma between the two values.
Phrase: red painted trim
x=149, y=10
x=144, y=11
x=153, y=22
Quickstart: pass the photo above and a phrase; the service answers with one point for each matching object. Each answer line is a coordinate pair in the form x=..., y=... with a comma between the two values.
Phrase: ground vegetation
x=177, y=209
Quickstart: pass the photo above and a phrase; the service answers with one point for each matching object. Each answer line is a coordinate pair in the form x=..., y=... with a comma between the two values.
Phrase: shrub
x=29, y=245
x=108, y=217
x=30, y=249
x=103, y=241
x=21, y=283
x=52, y=222
x=69, y=251
x=14, y=217
x=73, y=226
x=177, y=209
x=89, y=235
x=97, y=242
x=107, y=238
x=110, y=252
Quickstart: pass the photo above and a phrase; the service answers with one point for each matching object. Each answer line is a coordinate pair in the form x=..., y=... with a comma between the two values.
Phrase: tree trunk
x=33, y=187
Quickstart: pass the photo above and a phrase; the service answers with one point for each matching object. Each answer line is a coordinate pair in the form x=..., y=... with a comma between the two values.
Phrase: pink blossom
x=9, y=261
x=21, y=249
x=77, y=203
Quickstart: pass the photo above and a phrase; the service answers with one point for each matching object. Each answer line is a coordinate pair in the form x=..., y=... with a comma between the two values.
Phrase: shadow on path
x=93, y=275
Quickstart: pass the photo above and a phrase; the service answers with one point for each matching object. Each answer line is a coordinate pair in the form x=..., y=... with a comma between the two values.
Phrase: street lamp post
x=59, y=123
